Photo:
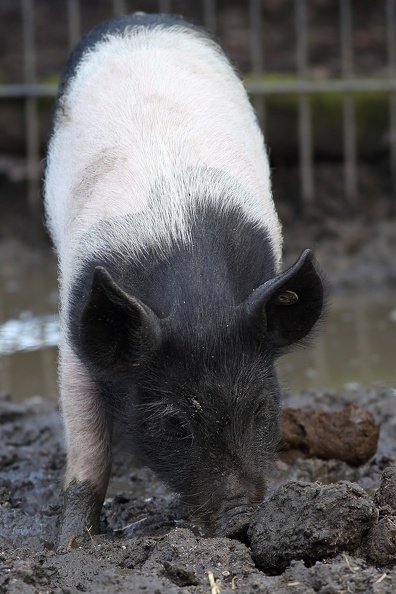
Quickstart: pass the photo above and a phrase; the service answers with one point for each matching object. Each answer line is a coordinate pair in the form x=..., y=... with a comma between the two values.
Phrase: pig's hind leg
x=88, y=428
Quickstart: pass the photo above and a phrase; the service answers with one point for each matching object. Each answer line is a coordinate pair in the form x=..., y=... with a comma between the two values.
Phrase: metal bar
x=391, y=39
x=304, y=108
x=254, y=87
x=362, y=339
x=349, y=124
x=321, y=359
x=119, y=7
x=74, y=22
x=27, y=90
x=209, y=10
x=49, y=375
x=164, y=5
x=5, y=360
x=256, y=53
x=297, y=87
x=31, y=111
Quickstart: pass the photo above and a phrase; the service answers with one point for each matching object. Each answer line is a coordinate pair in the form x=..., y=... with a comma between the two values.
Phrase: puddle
x=356, y=346
x=28, y=324
x=29, y=333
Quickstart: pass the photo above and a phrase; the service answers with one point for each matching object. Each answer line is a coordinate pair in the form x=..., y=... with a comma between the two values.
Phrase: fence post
x=210, y=15
x=256, y=55
x=164, y=5
x=31, y=111
x=304, y=110
x=391, y=38
x=349, y=124
x=74, y=22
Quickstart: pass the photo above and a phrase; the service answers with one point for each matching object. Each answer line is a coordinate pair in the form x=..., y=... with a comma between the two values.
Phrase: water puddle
x=356, y=346
x=29, y=328
x=29, y=333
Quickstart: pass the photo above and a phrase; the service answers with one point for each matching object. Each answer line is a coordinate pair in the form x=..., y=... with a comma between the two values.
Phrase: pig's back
x=150, y=120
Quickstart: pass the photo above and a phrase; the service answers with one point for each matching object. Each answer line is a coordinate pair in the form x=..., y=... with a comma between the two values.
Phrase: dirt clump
x=380, y=544
x=350, y=434
x=322, y=520
x=385, y=497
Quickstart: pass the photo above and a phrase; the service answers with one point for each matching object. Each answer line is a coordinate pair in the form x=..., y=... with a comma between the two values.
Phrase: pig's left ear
x=115, y=330
x=285, y=308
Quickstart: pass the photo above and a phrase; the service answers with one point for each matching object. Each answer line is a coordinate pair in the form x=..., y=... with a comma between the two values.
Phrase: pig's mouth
x=234, y=523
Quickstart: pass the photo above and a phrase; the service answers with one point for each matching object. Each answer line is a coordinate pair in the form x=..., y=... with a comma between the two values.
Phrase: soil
x=350, y=434
x=324, y=526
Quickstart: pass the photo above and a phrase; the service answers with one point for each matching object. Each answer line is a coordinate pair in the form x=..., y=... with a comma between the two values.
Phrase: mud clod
x=385, y=497
x=381, y=542
x=310, y=522
x=180, y=575
x=350, y=434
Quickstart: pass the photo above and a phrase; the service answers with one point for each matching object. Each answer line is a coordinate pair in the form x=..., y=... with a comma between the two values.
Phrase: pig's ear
x=115, y=330
x=285, y=308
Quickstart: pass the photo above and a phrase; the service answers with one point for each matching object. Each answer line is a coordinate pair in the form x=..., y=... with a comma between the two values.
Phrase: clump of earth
x=325, y=526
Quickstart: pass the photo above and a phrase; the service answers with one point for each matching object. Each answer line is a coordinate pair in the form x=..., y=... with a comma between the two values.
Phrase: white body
x=144, y=107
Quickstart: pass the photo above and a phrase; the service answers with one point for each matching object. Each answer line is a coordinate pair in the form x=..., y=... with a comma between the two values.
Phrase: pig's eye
x=175, y=426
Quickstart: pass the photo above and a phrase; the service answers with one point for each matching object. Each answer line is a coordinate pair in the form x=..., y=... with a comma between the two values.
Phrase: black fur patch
x=196, y=283
x=200, y=404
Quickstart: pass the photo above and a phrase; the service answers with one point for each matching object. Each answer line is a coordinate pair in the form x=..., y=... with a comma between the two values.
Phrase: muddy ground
x=304, y=538
x=147, y=544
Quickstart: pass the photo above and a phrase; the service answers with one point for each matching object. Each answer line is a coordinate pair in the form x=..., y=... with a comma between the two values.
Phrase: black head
x=198, y=394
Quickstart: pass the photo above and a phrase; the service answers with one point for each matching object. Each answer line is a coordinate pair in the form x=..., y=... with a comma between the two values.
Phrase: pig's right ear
x=285, y=308
x=115, y=330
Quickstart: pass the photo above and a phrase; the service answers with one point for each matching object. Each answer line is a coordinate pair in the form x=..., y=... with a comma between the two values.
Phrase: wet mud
x=325, y=526
x=322, y=520
x=350, y=434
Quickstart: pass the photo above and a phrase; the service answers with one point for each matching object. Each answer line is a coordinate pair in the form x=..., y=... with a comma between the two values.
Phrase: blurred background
x=322, y=77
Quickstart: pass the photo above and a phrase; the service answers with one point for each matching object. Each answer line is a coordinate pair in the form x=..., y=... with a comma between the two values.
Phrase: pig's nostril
x=239, y=530
x=235, y=523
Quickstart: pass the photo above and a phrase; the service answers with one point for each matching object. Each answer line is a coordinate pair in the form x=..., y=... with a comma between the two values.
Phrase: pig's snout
x=232, y=504
x=235, y=522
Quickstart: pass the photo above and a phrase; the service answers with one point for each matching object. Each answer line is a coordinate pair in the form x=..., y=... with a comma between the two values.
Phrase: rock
x=309, y=522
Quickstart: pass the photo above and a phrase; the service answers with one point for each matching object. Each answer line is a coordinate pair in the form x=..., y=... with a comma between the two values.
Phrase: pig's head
x=197, y=391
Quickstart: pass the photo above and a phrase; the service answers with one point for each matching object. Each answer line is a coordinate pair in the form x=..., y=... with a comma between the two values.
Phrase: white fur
x=152, y=119
x=88, y=435
x=144, y=106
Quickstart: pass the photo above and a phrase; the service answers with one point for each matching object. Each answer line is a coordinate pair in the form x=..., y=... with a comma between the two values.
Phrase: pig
x=173, y=305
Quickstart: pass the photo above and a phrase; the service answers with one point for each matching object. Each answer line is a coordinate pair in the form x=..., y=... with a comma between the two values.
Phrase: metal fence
x=304, y=86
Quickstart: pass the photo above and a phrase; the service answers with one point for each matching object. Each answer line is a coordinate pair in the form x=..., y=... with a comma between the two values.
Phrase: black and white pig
x=173, y=306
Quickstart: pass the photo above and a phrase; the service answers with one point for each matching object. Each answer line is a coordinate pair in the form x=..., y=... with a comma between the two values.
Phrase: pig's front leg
x=88, y=442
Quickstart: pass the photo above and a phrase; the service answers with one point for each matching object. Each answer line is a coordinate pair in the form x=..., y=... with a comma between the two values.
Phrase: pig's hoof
x=80, y=515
